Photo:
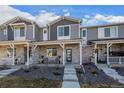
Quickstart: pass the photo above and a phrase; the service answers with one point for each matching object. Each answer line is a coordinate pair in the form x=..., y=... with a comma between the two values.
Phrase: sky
x=43, y=14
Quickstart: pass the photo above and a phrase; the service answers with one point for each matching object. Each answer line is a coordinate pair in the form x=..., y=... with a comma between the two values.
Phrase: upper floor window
x=83, y=33
x=19, y=32
x=108, y=32
x=63, y=31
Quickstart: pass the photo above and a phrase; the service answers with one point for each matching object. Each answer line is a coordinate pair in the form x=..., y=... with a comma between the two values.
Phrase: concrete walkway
x=112, y=73
x=70, y=79
x=4, y=73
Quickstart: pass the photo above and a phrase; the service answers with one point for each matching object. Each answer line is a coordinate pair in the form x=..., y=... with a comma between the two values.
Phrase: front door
x=45, y=34
x=69, y=55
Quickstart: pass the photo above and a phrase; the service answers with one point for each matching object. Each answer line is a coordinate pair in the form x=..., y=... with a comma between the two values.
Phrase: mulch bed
x=52, y=73
x=4, y=68
x=120, y=70
x=93, y=77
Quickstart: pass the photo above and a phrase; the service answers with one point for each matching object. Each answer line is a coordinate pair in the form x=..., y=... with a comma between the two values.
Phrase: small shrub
x=57, y=68
x=80, y=71
x=5, y=66
x=27, y=70
x=56, y=73
x=94, y=72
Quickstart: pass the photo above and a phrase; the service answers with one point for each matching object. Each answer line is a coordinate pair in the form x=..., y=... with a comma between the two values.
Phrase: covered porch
x=110, y=52
x=58, y=52
x=15, y=53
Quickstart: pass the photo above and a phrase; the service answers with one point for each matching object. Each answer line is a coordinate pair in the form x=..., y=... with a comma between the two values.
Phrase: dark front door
x=69, y=55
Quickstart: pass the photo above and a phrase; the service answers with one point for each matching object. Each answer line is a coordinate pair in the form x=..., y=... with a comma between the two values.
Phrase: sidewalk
x=4, y=73
x=112, y=73
x=70, y=79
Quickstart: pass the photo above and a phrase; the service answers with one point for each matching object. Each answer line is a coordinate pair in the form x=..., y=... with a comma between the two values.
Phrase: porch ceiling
x=14, y=42
x=58, y=42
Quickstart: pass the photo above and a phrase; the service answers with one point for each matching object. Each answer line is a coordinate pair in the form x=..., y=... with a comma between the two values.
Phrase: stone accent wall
x=19, y=54
x=87, y=53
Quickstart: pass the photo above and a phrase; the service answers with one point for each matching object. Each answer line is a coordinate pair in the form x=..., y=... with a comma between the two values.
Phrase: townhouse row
x=23, y=41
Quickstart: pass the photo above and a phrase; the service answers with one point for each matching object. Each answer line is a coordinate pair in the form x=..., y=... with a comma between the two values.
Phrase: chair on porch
x=41, y=60
x=57, y=60
x=45, y=60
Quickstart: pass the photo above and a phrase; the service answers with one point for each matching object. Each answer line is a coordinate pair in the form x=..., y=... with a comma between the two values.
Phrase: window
x=5, y=31
x=63, y=31
x=10, y=52
x=107, y=32
x=52, y=52
x=110, y=31
x=83, y=33
x=22, y=31
x=19, y=31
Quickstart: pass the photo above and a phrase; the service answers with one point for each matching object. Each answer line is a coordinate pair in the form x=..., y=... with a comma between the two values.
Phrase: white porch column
x=108, y=54
x=80, y=45
x=63, y=54
x=27, y=54
x=95, y=53
x=13, y=47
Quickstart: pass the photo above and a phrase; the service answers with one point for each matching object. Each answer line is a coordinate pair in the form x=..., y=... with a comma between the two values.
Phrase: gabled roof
x=103, y=25
x=18, y=18
x=64, y=17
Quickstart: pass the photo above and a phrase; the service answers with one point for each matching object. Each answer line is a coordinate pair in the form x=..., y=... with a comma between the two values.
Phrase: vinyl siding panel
x=10, y=33
x=29, y=32
x=121, y=31
x=74, y=31
x=92, y=34
x=38, y=34
x=74, y=28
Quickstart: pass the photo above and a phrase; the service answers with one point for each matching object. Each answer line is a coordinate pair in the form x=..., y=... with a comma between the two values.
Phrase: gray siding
x=38, y=33
x=74, y=26
x=10, y=33
x=92, y=34
x=121, y=31
x=74, y=31
x=2, y=36
x=29, y=32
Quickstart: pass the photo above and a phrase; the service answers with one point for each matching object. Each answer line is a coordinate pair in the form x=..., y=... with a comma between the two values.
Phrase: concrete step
x=70, y=84
x=70, y=77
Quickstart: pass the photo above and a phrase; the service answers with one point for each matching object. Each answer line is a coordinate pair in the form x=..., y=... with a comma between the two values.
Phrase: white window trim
x=43, y=33
x=110, y=32
x=20, y=38
x=48, y=51
x=82, y=30
x=63, y=37
x=84, y=38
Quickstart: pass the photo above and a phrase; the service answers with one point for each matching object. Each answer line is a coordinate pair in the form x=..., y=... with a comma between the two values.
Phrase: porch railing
x=116, y=60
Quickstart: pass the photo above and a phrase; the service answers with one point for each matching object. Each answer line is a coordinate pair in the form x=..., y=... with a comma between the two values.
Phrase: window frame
x=111, y=32
x=52, y=52
x=19, y=37
x=63, y=37
x=81, y=31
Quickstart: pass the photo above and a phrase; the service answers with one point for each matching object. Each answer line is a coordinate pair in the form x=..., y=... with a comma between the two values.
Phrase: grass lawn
x=21, y=82
x=100, y=85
